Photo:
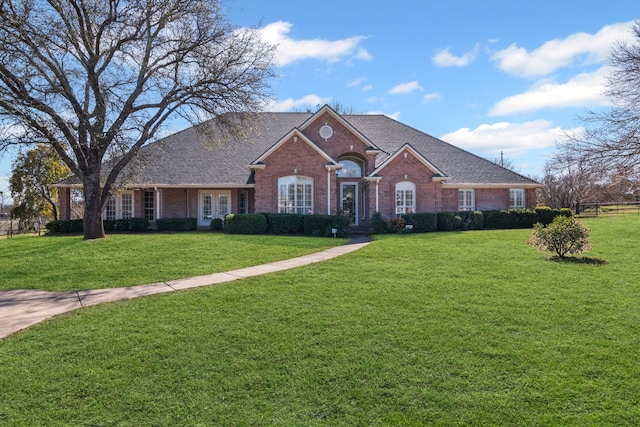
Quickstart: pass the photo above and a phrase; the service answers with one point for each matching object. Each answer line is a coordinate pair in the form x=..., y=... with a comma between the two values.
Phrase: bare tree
x=611, y=138
x=97, y=79
x=568, y=180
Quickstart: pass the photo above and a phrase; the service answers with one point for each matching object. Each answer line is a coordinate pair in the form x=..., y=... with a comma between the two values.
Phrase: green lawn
x=471, y=328
x=69, y=263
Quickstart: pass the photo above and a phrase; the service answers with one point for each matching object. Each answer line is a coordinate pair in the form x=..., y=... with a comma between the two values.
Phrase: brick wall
x=407, y=168
x=292, y=158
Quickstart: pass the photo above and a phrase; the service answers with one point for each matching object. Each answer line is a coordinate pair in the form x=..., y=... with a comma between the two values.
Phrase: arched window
x=295, y=194
x=405, y=197
x=351, y=169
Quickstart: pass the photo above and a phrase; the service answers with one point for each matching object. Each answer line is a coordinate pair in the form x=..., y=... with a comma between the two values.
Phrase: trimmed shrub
x=545, y=215
x=379, y=224
x=176, y=224
x=122, y=224
x=522, y=218
x=493, y=219
x=109, y=225
x=397, y=224
x=449, y=221
x=65, y=226
x=563, y=236
x=216, y=224
x=422, y=222
x=245, y=224
x=138, y=224
x=281, y=223
x=566, y=212
x=472, y=220
x=321, y=225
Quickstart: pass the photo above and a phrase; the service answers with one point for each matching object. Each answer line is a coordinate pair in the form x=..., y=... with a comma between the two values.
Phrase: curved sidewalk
x=22, y=308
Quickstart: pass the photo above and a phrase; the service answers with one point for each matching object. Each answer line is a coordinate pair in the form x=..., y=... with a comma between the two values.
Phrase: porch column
x=328, y=192
x=332, y=167
x=157, y=194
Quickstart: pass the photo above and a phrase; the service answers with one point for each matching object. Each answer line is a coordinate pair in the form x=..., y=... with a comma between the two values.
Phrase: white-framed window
x=405, y=197
x=295, y=194
x=244, y=202
x=149, y=205
x=516, y=198
x=119, y=206
x=466, y=200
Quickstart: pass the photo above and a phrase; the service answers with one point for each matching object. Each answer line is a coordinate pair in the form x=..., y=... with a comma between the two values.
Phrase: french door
x=212, y=204
x=349, y=198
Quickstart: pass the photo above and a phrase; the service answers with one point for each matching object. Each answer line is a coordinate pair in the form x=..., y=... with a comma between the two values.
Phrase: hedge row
x=65, y=226
x=75, y=225
x=471, y=220
x=176, y=224
x=310, y=225
x=128, y=224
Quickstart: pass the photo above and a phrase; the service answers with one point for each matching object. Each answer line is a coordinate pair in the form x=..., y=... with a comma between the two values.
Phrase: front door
x=349, y=197
x=213, y=204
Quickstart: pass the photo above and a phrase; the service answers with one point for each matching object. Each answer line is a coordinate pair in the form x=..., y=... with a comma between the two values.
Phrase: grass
x=471, y=328
x=69, y=263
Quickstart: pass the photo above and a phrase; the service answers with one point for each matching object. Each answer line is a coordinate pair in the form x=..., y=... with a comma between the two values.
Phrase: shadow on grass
x=579, y=260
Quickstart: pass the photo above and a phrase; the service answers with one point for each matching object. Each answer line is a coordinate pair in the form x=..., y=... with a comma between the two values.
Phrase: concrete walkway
x=22, y=308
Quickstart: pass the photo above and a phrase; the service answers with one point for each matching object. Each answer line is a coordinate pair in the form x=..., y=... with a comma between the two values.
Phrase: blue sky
x=487, y=76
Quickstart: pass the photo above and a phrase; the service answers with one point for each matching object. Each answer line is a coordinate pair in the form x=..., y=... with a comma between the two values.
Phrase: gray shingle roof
x=193, y=158
x=460, y=166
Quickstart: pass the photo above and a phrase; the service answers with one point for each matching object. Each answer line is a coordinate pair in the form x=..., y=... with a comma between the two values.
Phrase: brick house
x=319, y=162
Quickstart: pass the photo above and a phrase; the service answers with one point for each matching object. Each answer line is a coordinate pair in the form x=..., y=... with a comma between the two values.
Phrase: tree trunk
x=92, y=222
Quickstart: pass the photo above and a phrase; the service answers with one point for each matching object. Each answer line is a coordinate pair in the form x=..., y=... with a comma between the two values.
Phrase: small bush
x=545, y=215
x=449, y=221
x=122, y=224
x=397, y=224
x=216, y=224
x=563, y=236
x=138, y=224
x=379, y=224
x=176, y=224
x=281, y=223
x=472, y=220
x=109, y=225
x=245, y=224
x=522, y=218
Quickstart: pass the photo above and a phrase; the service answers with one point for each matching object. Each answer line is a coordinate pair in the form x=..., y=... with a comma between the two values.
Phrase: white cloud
x=356, y=82
x=407, y=87
x=366, y=88
x=582, y=90
x=558, y=53
x=444, y=58
x=290, y=50
x=290, y=104
x=510, y=138
x=434, y=96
